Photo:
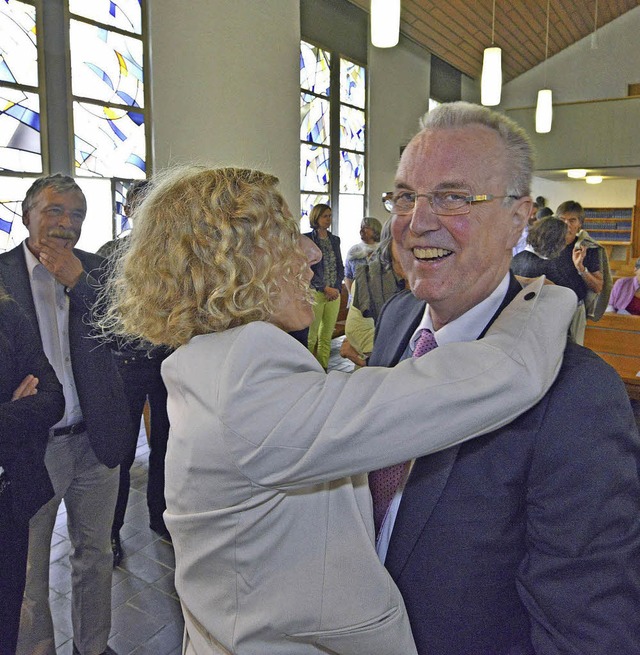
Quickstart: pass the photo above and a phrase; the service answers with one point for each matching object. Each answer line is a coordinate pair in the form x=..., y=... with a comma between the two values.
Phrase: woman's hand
x=28, y=387
x=331, y=293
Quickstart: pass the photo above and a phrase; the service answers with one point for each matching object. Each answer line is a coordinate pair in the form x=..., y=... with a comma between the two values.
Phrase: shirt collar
x=470, y=325
x=30, y=259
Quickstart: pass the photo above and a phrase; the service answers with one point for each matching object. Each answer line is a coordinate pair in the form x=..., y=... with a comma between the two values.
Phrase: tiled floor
x=146, y=617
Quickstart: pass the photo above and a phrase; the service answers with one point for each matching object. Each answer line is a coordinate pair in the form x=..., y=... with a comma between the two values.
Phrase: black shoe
x=116, y=547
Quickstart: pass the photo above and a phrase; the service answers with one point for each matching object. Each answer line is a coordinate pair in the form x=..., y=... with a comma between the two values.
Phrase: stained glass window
x=20, y=148
x=314, y=119
x=109, y=139
x=352, y=83
x=315, y=69
x=351, y=172
x=105, y=65
x=124, y=14
x=12, y=231
x=18, y=52
x=332, y=171
x=314, y=168
x=352, y=124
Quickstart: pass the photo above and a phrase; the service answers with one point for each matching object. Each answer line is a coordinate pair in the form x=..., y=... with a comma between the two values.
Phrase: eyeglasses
x=450, y=202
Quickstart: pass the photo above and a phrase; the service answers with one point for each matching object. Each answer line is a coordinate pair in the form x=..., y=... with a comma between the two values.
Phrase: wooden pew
x=616, y=338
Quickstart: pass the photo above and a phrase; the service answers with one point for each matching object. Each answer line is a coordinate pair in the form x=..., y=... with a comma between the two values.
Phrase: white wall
x=611, y=193
x=582, y=73
x=225, y=85
x=398, y=97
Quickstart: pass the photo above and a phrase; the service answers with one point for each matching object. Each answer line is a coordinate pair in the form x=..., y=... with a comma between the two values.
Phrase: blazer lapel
x=426, y=482
x=422, y=491
x=15, y=279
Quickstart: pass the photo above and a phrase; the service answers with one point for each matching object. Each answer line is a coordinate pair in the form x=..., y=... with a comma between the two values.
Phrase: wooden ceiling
x=458, y=31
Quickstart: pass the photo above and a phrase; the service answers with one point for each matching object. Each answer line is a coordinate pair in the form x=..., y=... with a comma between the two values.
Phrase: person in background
x=545, y=241
x=543, y=213
x=140, y=371
x=370, y=230
x=526, y=540
x=376, y=281
x=577, y=266
x=56, y=285
x=625, y=295
x=31, y=401
x=267, y=503
x=326, y=283
x=533, y=217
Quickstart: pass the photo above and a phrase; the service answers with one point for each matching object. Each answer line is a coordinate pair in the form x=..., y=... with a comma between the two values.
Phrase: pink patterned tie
x=383, y=483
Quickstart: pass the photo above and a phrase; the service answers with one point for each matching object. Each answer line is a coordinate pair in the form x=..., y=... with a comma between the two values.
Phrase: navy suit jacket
x=99, y=386
x=525, y=540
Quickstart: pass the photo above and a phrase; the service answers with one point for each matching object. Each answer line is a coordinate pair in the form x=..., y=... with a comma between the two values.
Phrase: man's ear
x=521, y=210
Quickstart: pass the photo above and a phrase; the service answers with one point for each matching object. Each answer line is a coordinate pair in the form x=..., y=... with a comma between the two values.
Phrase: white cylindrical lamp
x=491, y=81
x=544, y=111
x=385, y=23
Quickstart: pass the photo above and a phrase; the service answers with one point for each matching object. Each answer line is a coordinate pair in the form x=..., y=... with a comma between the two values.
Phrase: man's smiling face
x=455, y=262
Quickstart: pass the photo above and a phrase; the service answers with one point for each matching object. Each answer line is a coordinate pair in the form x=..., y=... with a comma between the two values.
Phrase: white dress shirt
x=52, y=310
x=467, y=327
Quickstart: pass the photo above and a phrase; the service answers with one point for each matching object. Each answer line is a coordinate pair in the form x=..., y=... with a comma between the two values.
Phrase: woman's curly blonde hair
x=210, y=250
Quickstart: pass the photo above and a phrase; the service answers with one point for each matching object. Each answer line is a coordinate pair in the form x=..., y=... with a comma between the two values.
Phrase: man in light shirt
x=56, y=284
x=527, y=540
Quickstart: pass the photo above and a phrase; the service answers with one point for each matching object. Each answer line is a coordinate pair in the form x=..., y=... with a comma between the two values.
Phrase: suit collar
x=430, y=474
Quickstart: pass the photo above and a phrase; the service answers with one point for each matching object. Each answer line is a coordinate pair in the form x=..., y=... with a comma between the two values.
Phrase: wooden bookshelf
x=614, y=228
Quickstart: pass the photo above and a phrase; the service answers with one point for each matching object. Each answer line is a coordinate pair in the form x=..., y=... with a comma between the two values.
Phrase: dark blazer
x=99, y=386
x=25, y=423
x=526, y=540
x=318, y=281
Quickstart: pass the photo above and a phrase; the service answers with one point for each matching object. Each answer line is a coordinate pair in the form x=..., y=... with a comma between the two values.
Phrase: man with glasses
x=527, y=540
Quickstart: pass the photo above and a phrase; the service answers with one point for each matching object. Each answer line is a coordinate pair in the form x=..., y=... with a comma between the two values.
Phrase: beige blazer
x=267, y=497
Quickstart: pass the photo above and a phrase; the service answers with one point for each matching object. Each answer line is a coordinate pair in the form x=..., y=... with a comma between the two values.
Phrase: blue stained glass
x=18, y=51
x=108, y=142
x=352, y=83
x=106, y=66
x=20, y=142
x=124, y=14
x=314, y=119
x=314, y=168
x=351, y=172
x=352, y=128
x=315, y=69
x=5, y=226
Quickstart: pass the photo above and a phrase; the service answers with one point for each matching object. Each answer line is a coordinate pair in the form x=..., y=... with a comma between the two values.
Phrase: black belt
x=76, y=428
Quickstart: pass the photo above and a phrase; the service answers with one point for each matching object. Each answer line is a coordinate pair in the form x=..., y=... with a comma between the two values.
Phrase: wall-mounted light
x=491, y=80
x=593, y=179
x=576, y=173
x=385, y=23
x=544, y=106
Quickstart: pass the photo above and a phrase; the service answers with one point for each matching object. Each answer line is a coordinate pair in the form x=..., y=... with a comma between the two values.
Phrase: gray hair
x=519, y=148
x=374, y=224
x=59, y=182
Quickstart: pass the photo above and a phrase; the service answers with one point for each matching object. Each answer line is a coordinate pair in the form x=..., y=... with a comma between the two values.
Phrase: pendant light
x=385, y=23
x=544, y=107
x=491, y=81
